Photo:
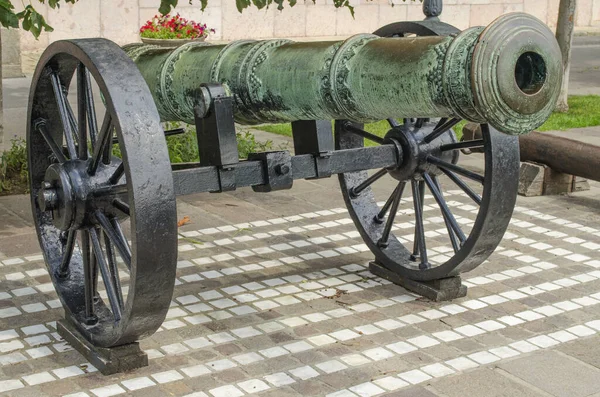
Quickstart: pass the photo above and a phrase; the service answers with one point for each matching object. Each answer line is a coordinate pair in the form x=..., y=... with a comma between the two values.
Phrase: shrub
x=183, y=148
x=13, y=168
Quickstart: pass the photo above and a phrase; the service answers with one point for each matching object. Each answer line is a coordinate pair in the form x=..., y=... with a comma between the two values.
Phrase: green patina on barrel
x=507, y=74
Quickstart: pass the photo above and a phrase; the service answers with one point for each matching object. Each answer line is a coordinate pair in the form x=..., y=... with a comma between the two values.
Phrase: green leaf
x=166, y=6
x=53, y=3
x=8, y=18
x=242, y=4
x=33, y=21
x=203, y=4
x=351, y=9
x=260, y=4
x=293, y=2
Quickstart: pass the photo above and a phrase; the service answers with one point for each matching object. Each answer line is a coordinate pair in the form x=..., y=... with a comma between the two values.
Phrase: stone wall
x=11, y=53
x=119, y=20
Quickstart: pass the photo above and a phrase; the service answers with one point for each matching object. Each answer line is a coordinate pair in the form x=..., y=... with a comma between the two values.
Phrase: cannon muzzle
x=507, y=74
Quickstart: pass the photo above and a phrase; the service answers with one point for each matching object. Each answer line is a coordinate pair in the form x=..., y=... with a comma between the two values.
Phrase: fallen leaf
x=184, y=221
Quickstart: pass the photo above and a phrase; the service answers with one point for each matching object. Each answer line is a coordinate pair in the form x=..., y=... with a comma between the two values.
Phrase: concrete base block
x=444, y=289
x=108, y=360
x=580, y=184
x=540, y=180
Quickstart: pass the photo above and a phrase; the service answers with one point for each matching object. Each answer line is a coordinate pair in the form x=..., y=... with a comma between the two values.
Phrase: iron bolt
x=47, y=198
x=282, y=169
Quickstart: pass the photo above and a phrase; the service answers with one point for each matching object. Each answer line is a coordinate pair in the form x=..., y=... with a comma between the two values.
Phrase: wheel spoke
x=442, y=126
x=56, y=151
x=81, y=111
x=107, y=153
x=453, y=240
x=111, y=291
x=419, y=229
x=102, y=140
x=393, y=122
x=379, y=217
x=437, y=195
x=61, y=102
x=63, y=270
x=94, y=265
x=355, y=191
x=385, y=236
x=474, y=196
x=117, y=227
x=91, y=109
x=359, y=131
x=421, y=185
x=114, y=269
x=453, y=167
x=73, y=123
x=462, y=145
x=115, y=234
x=117, y=174
x=88, y=278
x=121, y=206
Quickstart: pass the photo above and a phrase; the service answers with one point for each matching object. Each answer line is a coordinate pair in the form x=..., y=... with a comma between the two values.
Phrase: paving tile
x=554, y=373
x=482, y=382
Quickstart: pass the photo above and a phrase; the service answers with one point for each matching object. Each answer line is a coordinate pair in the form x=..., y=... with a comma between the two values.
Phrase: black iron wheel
x=431, y=152
x=100, y=171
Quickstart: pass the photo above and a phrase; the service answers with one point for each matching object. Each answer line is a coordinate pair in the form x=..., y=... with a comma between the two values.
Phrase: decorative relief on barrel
x=135, y=51
x=215, y=69
x=325, y=88
x=340, y=91
x=167, y=94
x=251, y=94
x=457, y=75
x=434, y=76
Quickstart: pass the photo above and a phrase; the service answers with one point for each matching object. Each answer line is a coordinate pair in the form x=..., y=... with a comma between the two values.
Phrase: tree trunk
x=564, y=36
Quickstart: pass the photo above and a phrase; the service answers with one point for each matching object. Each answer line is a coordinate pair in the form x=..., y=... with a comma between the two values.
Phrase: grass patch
x=379, y=128
x=584, y=111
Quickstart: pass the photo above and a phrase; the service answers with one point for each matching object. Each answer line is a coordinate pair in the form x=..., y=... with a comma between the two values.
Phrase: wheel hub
x=71, y=195
x=415, y=151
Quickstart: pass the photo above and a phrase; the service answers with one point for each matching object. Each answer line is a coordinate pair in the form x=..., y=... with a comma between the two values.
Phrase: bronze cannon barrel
x=507, y=74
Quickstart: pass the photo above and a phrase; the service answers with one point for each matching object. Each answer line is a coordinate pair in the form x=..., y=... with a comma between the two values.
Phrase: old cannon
x=103, y=189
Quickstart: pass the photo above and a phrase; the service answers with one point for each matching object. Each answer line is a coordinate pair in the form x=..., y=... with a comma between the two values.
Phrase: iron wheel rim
x=148, y=189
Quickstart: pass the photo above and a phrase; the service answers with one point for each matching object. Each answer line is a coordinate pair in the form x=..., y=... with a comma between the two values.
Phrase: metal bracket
x=215, y=131
x=315, y=137
x=323, y=165
x=226, y=179
x=277, y=168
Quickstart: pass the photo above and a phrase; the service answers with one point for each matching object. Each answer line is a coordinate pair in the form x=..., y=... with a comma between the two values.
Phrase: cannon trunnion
x=103, y=189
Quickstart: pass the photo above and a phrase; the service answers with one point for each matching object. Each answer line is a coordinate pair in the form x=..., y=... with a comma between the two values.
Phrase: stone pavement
x=273, y=299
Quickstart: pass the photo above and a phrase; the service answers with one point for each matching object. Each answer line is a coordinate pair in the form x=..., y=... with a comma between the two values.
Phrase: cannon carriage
x=103, y=189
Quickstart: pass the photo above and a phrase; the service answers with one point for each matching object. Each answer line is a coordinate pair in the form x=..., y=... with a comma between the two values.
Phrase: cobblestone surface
x=273, y=298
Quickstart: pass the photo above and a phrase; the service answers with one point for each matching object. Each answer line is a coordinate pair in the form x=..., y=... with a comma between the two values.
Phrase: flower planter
x=170, y=42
